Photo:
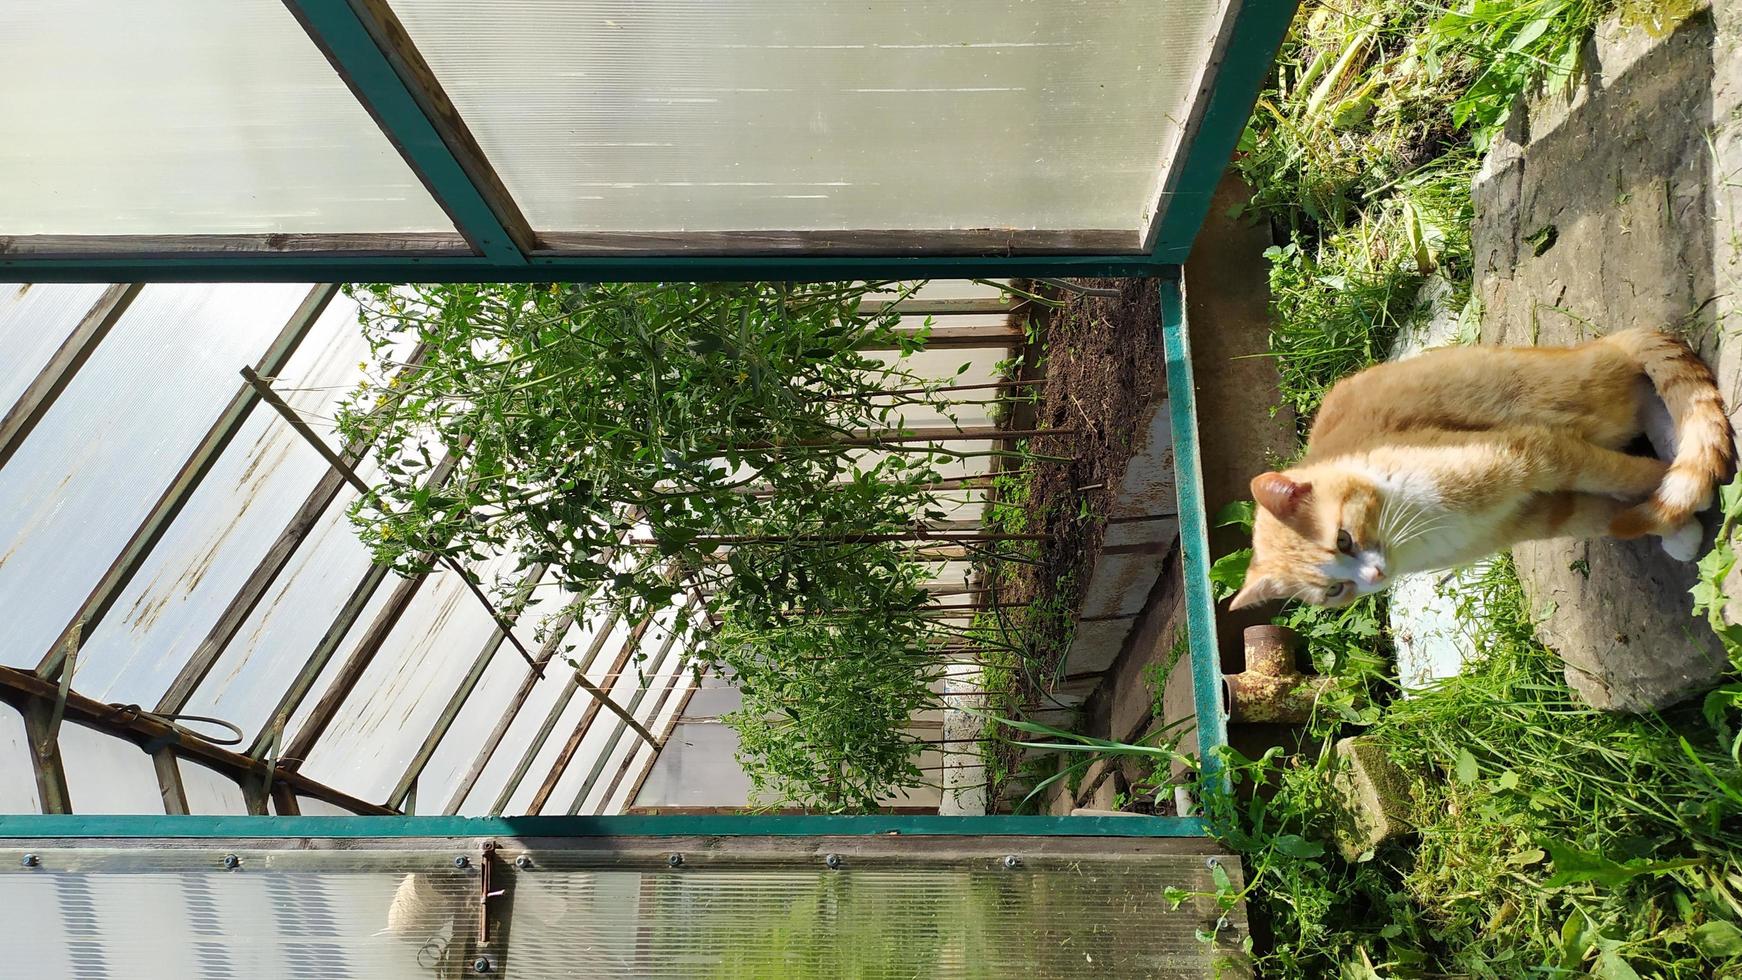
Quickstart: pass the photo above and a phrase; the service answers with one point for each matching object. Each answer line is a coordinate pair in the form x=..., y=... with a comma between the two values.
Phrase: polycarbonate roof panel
x=89, y=472
x=822, y=115
x=234, y=516
x=34, y=321
x=17, y=779
x=182, y=117
x=106, y=774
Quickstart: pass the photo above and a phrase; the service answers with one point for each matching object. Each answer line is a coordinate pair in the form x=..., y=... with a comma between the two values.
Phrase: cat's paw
x=1683, y=543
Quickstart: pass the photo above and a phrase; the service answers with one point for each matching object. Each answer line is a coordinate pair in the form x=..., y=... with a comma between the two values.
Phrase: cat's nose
x=1373, y=575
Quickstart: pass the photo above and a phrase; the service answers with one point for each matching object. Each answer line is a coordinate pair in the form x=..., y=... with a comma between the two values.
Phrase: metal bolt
x=462, y=861
x=523, y=862
x=833, y=861
x=232, y=862
x=481, y=965
x=676, y=860
x=1211, y=862
x=1223, y=925
x=31, y=861
x=1012, y=862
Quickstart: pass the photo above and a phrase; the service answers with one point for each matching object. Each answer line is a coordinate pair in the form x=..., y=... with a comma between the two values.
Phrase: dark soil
x=1104, y=367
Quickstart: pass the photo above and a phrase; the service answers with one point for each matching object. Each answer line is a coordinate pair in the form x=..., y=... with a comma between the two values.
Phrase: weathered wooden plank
x=200, y=461
x=391, y=245
x=873, y=241
x=54, y=377
x=36, y=697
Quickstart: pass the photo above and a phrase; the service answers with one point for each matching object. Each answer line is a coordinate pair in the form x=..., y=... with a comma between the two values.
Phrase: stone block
x=1373, y=797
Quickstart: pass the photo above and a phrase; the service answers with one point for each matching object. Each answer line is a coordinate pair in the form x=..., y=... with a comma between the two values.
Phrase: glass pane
x=210, y=791
x=17, y=778
x=188, y=117
x=400, y=694
x=696, y=115
x=482, y=711
x=532, y=717
x=612, y=908
x=239, y=509
x=82, y=481
x=107, y=774
x=34, y=319
x=697, y=767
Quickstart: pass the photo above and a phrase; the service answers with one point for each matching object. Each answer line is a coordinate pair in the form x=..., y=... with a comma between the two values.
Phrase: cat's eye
x=1336, y=589
x=1345, y=543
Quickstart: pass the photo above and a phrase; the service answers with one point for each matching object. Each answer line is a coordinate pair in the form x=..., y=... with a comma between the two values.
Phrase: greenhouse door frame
x=1211, y=719
x=399, y=100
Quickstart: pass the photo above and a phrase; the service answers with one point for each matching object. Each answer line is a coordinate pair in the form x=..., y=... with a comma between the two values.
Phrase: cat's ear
x=1279, y=494
x=1258, y=588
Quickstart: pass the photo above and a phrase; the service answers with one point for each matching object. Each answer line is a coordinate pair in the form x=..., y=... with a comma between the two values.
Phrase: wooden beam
x=1000, y=336
x=44, y=751
x=351, y=671
x=553, y=642
x=552, y=716
x=880, y=438
x=882, y=242
x=175, y=797
x=657, y=663
x=664, y=738
x=567, y=753
x=458, y=699
x=54, y=377
x=187, y=480
x=265, y=573
x=404, y=245
x=36, y=696
x=924, y=306
x=370, y=49
x=652, y=751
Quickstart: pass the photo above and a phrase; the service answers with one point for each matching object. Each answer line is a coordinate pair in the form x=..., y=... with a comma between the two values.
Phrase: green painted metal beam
x=1245, y=53
x=32, y=826
x=1194, y=533
x=343, y=31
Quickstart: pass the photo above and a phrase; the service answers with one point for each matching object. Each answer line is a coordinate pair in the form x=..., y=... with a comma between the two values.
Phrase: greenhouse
x=763, y=488
x=542, y=489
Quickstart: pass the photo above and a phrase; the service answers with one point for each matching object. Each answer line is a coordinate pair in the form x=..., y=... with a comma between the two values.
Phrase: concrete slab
x=1096, y=645
x=1146, y=488
x=1617, y=205
x=1159, y=531
x=1120, y=584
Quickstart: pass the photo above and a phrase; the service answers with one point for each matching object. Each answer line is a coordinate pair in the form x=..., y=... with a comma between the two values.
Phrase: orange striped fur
x=1459, y=453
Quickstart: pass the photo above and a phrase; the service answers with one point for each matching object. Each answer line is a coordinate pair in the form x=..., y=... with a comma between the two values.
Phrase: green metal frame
x=1206, y=680
x=1231, y=84
x=1245, y=53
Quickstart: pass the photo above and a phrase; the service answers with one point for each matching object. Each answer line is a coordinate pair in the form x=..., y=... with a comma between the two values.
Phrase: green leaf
x=1228, y=572
x=1718, y=940
x=1296, y=846
x=1466, y=769
x=1573, y=865
x=1238, y=513
x=1610, y=966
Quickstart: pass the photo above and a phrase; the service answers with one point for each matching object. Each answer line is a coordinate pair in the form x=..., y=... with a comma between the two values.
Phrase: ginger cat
x=1456, y=454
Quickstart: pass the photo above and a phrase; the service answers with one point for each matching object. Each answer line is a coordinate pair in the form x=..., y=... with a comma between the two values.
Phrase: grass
x=1552, y=840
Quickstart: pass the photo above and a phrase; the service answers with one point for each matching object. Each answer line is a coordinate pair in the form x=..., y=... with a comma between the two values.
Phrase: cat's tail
x=1705, y=444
